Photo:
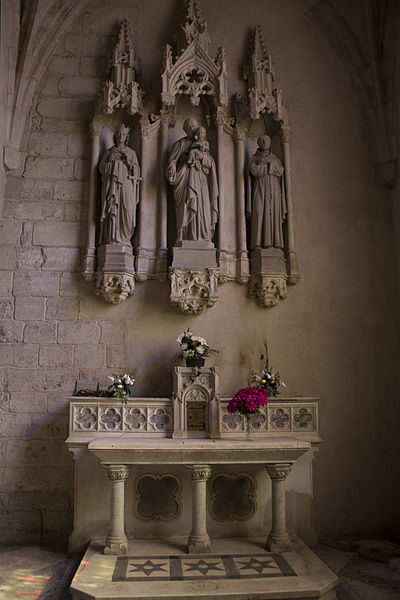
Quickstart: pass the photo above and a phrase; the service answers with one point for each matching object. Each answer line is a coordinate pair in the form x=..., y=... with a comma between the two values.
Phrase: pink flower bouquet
x=248, y=400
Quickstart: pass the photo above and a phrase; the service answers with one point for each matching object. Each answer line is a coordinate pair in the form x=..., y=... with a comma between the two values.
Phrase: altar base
x=236, y=569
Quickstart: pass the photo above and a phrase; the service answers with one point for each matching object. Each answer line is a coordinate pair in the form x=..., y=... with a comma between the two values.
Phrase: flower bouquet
x=247, y=402
x=121, y=386
x=269, y=380
x=194, y=349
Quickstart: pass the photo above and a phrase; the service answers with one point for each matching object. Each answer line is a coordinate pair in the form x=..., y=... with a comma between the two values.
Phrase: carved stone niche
x=273, y=261
x=193, y=173
x=109, y=254
x=195, y=401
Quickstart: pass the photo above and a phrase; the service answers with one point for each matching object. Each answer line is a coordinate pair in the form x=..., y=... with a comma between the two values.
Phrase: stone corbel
x=115, y=287
x=193, y=290
x=12, y=158
x=267, y=289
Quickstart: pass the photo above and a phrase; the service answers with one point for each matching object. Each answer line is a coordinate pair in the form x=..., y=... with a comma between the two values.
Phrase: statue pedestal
x=268, y=276
x=268, y=261
x=115, y=276
x=194, y=255
x=115, y=257
x=194, y=276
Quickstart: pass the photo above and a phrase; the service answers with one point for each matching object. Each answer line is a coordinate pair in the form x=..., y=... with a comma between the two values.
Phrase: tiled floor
x=36, y=572
x=184, y=568
x=369, y=569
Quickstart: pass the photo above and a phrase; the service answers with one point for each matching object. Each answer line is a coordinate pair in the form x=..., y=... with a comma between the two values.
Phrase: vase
x=247, y=427
x=195, y=361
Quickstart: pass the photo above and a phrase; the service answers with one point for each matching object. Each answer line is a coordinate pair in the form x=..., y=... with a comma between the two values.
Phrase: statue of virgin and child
x=192, y=173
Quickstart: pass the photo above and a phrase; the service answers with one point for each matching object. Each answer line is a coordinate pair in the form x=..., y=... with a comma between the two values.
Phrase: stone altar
x=150, y=421
x=182, y=466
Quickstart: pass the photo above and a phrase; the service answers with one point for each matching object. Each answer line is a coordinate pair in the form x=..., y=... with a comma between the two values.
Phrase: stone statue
x=266, y=202
x=192, y=174
x=120, y=173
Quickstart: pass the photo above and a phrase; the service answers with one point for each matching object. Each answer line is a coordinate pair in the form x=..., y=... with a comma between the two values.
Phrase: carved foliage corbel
x=193, y=290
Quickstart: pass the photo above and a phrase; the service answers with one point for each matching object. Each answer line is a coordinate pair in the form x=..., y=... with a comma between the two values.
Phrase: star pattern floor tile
x=196, y=568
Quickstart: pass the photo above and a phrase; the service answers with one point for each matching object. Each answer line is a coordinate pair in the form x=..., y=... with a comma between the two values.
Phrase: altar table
x=119, y=455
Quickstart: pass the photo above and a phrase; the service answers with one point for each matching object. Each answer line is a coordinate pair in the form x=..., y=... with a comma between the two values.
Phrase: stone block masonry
x=47, y=341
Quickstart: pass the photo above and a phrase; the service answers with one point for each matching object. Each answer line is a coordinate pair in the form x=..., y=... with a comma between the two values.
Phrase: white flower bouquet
x=194, y=349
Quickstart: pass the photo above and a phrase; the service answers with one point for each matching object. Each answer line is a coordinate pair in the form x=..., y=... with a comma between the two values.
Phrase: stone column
x=162, y=201
x=243, y=262
x=199, y=540
x=144, y=225
x=89, y=267
x=219, y=120
x=292, y=267
x=278, y=539
x=116, y=541
x=144, y=164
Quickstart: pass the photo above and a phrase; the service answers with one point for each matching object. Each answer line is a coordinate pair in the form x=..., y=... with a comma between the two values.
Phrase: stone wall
x=334, y=336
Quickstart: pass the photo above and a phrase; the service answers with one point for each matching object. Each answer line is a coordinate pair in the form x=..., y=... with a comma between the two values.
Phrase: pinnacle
x=257, y=45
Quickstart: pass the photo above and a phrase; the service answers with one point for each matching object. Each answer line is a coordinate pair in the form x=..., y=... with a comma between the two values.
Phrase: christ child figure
x=199, y=148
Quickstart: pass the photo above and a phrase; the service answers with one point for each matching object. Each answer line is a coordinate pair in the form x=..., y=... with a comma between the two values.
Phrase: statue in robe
x=120, y=173
x=266, y=202
x=192, y=173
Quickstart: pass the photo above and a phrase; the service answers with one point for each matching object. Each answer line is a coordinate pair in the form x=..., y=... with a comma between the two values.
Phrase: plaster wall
x=334, y=336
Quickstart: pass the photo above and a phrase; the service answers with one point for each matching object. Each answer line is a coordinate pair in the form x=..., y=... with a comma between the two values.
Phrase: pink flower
x=248, y=400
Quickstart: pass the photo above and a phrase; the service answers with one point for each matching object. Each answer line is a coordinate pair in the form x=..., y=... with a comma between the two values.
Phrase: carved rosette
x=267, y=290
x=85, y=418
x=303, y=418
x=231, y=422
x=111, y=419
x=279, y=418
x=135, y=419
x=160, y=419
x=115, y=287
x=193, y=291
